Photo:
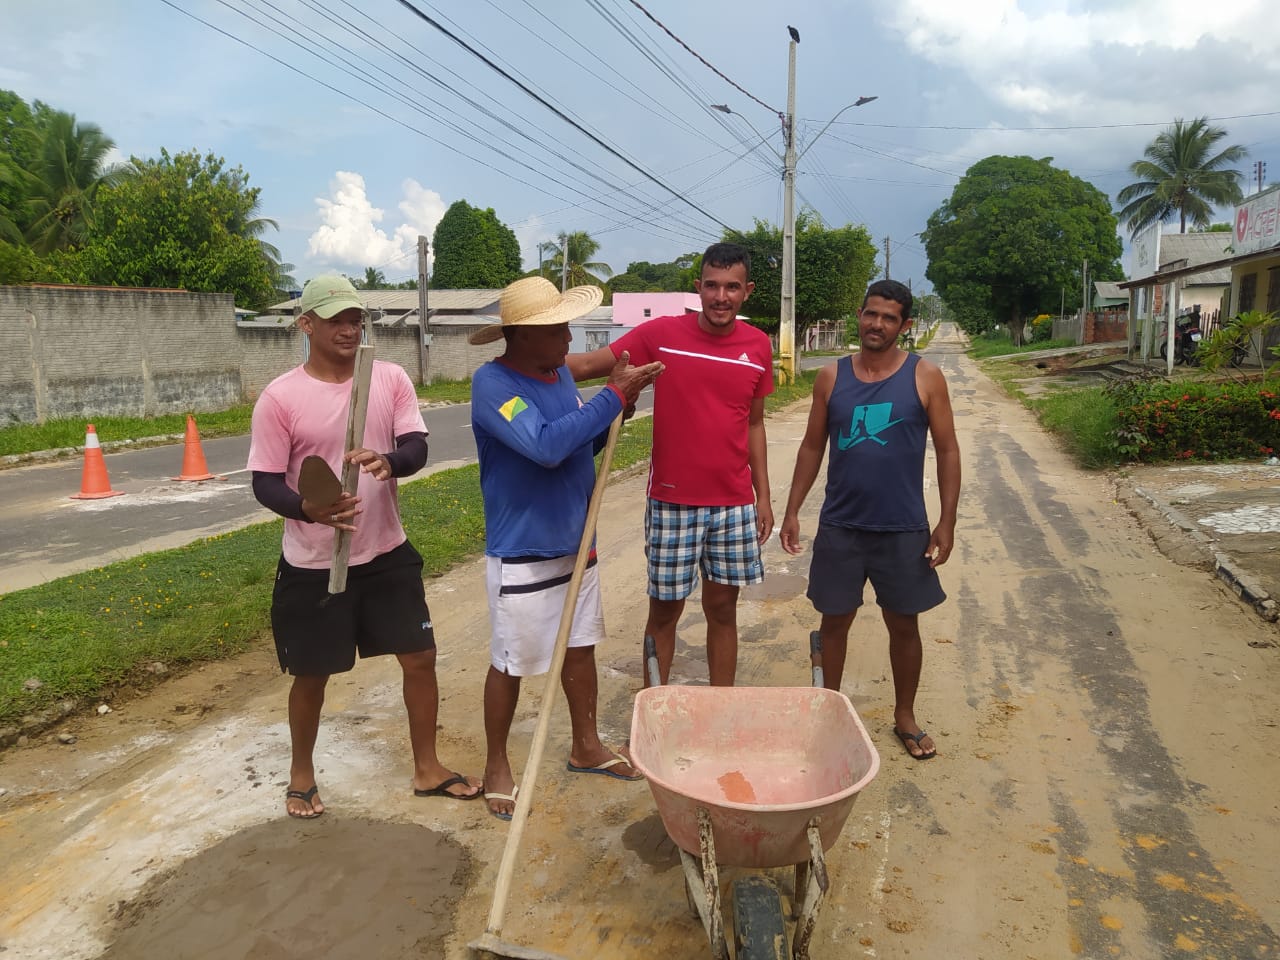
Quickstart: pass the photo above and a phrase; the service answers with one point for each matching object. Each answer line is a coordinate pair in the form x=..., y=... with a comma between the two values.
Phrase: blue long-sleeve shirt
x=535, y=440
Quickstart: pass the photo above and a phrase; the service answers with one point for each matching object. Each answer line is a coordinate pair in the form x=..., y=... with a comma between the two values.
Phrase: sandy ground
x=1104, y=787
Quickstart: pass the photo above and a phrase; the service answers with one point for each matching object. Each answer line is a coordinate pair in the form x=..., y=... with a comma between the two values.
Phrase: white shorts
x=526, y=599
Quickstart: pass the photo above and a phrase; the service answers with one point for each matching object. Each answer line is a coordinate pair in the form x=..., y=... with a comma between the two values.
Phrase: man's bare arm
x=813, y=447
x=942, y=428
x=589, y=366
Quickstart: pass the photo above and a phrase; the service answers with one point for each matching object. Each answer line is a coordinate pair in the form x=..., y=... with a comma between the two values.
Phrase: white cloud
x=1052, y=57
x=349, y=236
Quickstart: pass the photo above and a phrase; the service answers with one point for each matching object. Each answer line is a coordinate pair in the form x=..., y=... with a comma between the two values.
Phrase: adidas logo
x=744, y=357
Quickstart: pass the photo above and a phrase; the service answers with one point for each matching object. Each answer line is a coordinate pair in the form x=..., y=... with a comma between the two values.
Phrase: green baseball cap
x=328, y=295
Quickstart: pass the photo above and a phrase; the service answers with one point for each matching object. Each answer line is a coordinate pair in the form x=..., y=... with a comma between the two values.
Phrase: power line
x=557, y=111
x=703, y=60
x=1086, y=126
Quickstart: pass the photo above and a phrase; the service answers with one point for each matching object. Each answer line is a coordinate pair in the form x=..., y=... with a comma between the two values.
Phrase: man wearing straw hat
x=383, y=609
x=708, y=510
x=536, y=441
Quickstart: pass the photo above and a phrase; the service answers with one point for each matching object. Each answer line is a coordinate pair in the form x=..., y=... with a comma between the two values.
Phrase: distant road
x=47, y=535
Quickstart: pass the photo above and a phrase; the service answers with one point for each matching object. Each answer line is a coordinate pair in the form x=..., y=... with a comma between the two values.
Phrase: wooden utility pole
x=886, y=259
x=564, y=264
x=424, y=338
x=1260, y=171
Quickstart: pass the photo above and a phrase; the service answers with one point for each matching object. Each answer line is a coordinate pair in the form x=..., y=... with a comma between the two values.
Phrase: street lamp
x=787, y=317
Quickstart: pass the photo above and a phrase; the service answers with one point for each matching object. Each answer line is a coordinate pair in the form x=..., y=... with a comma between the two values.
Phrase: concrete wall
x=93, y=351
x=80, y=351
x=629, y=308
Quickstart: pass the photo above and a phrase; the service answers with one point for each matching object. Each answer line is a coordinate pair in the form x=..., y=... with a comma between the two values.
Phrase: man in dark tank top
x=874, y=410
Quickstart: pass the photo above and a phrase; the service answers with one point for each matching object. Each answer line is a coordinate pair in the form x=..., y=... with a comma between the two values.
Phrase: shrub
x=1157, y=420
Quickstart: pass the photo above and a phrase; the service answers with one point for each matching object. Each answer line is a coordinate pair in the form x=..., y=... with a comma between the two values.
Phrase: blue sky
x=367, y=150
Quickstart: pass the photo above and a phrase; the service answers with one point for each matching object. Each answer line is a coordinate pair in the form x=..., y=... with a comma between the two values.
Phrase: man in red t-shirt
x=708, y=509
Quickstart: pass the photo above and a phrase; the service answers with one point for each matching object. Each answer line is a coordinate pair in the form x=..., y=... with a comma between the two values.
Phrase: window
x=1248, y=292
x=597, y=339
x=647, y=313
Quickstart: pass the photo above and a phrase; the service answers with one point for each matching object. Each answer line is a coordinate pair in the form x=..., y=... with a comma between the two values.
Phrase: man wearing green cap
x=383, y=609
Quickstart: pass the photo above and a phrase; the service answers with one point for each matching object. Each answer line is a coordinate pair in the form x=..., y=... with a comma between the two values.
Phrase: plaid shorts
x=680, y=540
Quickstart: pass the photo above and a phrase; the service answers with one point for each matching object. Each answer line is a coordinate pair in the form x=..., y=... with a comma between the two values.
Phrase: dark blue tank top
x=875, y=459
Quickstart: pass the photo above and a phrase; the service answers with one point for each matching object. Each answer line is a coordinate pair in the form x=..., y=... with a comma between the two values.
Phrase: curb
x=108, y=446
x=1244, y=586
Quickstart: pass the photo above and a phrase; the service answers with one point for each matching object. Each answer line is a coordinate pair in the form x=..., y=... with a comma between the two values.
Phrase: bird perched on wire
x=795, y=34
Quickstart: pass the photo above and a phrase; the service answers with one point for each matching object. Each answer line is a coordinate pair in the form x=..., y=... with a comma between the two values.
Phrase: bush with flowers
x=1157, y=420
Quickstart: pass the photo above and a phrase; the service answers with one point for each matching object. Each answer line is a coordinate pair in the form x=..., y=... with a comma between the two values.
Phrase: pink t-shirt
x=701, y=407
x=297, y=416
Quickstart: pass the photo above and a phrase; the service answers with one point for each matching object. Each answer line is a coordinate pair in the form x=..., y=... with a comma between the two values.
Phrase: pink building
x=633, y=309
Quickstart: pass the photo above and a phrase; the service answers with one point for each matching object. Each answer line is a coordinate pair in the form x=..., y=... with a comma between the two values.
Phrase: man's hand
x=370, y=462
x=340, y=514
x=790, y=534
x=630, y=380
x=940, y=544
x=764, y=520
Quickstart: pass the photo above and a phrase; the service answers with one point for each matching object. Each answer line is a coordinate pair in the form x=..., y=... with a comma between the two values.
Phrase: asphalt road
x=46, y=534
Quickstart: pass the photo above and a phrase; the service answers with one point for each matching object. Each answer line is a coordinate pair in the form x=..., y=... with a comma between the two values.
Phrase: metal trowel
x=318, y=483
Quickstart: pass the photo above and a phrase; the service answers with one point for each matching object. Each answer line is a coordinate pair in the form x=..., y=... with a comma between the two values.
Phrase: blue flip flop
x=916, y=738
x=604, y=768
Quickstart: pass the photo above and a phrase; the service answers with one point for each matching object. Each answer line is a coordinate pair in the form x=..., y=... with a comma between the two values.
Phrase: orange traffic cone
x=94, y=482
x=194, y=466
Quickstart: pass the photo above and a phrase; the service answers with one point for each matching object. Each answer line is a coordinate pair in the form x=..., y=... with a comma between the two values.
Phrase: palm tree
x=1180, y=175
x=63, y=181
x=582, y=269
x=373, y=278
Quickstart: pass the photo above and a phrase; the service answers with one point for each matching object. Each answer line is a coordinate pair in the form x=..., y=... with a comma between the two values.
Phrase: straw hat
x=535, y=301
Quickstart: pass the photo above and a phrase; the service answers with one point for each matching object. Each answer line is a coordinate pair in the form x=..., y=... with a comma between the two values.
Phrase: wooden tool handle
x=524, y=798
x=357, y=410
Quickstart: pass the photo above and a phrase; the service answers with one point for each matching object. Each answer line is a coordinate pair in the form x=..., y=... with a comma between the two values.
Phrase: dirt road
x=1105, y=785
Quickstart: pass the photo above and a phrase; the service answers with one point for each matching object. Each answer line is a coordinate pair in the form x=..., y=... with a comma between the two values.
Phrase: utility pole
x=424, y=338
x=1084, y=299
x=886, y=259
x=1260, y=170
x=564, y=264
x=787, y=326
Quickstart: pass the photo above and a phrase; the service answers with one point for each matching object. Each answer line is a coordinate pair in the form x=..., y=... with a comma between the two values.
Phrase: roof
x=1193, y=249
x=1109, y=290
x=1213, y=268
x=403, y=300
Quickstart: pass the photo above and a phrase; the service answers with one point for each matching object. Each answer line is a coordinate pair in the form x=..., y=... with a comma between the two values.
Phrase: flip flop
x=916, y=738
x=604, y=768
x=306, y=797
x=442, y=789
x=509, y=797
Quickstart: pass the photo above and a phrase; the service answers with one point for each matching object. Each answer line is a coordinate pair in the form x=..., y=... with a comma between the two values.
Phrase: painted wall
x=629, y=308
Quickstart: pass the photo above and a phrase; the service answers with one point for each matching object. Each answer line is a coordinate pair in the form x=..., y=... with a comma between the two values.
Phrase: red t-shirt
x=701, y=406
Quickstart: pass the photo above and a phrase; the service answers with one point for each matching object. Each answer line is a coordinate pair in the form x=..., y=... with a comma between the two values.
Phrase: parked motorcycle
x=1187, y=337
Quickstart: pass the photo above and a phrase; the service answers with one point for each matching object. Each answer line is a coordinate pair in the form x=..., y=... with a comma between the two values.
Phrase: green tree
x=373, y=279
x=645, y=277
x=61, y=183
x=1182, y=176
x=182, y=221
x=473, y=250
x=833, y=268
x=1011, y=239
x=583, y=271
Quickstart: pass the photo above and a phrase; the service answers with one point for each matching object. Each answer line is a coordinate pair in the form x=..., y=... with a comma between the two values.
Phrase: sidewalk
x=1224, y=517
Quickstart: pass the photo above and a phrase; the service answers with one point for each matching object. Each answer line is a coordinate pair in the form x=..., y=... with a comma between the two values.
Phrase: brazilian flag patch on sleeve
x=512, y=408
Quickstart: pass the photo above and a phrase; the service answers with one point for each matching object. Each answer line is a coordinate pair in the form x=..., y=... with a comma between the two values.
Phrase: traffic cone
x=194, y=466
x=94, y=482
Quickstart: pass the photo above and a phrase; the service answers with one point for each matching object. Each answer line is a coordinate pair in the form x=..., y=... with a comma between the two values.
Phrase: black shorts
x=845, y=559
x=382, y=611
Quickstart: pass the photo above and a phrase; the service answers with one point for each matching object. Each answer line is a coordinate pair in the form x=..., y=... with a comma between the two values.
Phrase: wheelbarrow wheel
x=758, y=928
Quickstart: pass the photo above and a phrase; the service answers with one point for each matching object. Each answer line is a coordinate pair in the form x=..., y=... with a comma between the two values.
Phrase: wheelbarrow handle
x=815, y=656
x=651, y=661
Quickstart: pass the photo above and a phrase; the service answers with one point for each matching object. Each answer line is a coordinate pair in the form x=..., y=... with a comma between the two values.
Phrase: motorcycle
x=1187, y=337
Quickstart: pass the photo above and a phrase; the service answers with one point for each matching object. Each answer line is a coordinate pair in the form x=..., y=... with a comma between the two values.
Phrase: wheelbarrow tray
x=763, y=761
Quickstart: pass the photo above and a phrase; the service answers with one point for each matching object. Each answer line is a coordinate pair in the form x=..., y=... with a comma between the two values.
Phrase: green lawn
x=995, y=345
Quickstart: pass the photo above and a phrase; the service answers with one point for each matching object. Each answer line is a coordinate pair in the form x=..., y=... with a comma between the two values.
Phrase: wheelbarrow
x=755, y=777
